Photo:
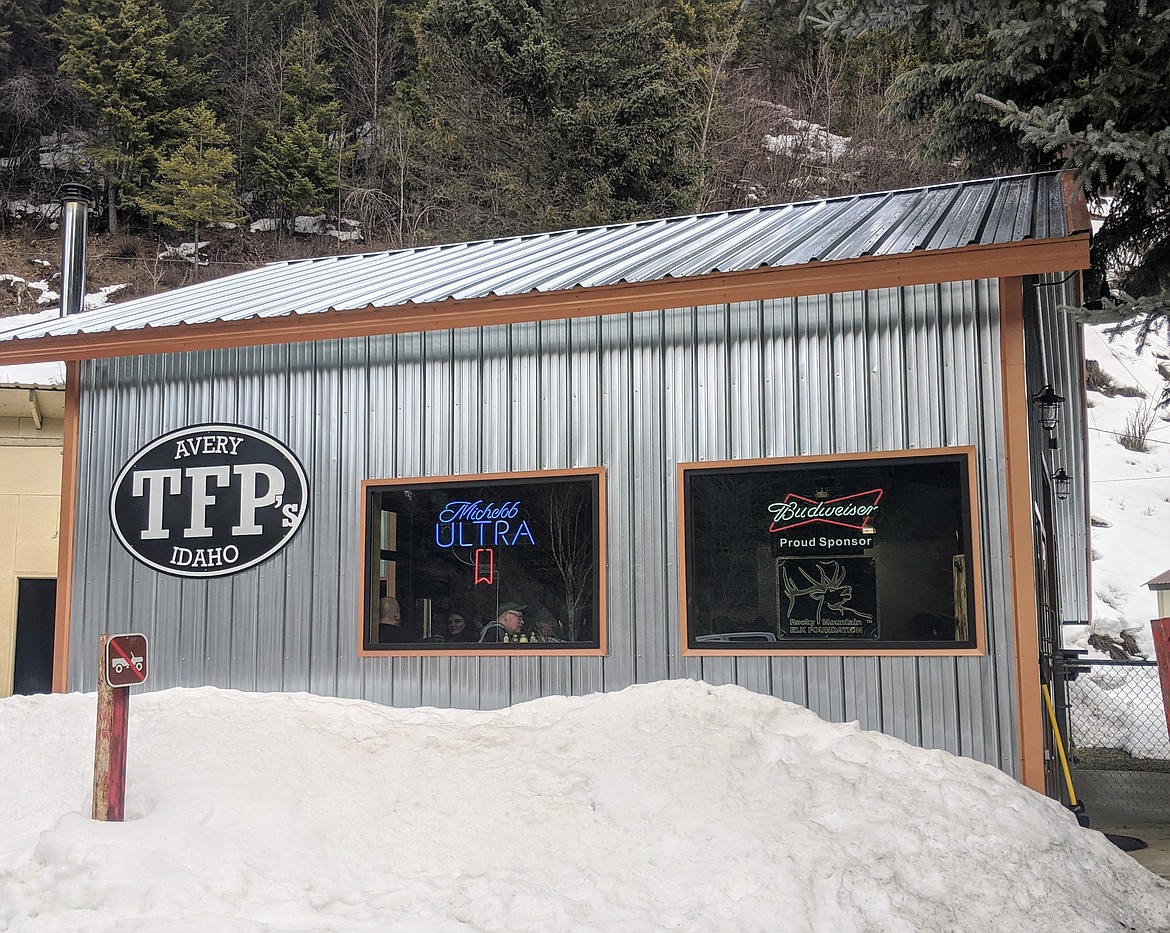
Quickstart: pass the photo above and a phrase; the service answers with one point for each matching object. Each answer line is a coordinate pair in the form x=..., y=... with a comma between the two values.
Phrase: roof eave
x=1028, y=257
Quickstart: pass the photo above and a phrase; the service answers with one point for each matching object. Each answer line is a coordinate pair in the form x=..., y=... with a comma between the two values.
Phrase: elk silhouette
x=829, y=590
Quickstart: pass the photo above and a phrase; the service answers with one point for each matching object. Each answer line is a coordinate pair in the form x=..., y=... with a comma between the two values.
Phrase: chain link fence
x=1119, y=750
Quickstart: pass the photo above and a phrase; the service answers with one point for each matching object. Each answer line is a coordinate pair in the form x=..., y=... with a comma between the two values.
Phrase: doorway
x=36, y=610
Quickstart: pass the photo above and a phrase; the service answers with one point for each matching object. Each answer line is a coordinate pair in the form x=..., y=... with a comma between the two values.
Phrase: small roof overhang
x=1160, y=582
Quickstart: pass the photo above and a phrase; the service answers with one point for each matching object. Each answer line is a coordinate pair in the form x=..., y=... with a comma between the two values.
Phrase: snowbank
x=670, y=806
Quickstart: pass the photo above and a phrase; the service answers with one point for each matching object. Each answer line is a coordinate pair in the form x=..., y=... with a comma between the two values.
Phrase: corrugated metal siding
x=1055, y=356
x=635, y=393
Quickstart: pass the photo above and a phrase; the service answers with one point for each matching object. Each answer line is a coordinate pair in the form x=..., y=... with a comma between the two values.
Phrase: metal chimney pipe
x=75, y=202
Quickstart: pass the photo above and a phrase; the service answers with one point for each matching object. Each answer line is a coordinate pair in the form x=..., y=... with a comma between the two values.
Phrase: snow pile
x=1120, y=707
x=316, y=225
x=39, y=292
x=669, y=806
x=24, y=291
x=184, y=251
x=101, y=297
x=809, y=141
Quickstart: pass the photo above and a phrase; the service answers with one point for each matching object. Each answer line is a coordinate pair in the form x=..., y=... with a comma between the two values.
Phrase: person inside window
x=390, y=628
x=459, y=629
x=454, y=627
x=507, y=625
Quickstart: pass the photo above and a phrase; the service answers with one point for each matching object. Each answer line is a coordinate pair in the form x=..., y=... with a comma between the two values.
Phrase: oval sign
x=209, y=500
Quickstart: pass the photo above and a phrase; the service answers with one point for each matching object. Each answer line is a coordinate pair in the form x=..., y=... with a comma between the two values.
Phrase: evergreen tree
x=193, y=185
x=296, y=166
x=7, y=13
x=117, y=54
x=1080, y=84
x=482, y=94
x=541, y=114
x=33, y=100
x=629, y=110
x=196, y=40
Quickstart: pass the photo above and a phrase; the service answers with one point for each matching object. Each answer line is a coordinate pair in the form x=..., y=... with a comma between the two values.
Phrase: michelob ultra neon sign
x=482, y=527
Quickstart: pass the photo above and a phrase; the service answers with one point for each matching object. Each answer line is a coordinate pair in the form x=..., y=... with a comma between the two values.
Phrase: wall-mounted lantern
x=1062, y=483
x=1048, y=404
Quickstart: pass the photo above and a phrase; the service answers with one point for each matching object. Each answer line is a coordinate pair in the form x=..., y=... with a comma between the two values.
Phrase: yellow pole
x=1072, y=796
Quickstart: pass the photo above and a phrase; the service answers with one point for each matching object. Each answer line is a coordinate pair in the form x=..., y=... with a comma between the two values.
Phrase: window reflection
x=493, y=561
x=847, y=553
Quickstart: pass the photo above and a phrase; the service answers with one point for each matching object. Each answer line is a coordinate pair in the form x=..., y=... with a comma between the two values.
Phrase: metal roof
x=993, y=211
x=1160, y=582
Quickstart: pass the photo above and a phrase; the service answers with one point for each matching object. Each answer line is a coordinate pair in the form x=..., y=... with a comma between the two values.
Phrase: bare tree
x=369, y=56
x=571, y=544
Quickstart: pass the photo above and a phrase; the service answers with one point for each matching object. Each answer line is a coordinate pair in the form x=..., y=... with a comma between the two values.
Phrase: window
x=870, y=553
x=502, y=563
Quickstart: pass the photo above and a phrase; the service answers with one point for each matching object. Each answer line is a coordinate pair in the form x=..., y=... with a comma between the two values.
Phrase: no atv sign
x=209, y=500
x=126, y=660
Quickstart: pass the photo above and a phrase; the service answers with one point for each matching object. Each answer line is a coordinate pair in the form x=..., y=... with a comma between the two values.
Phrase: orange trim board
x=976, y=575
x=1016, y=412
x=919, y=268
x=66, y=524
x=475, y=652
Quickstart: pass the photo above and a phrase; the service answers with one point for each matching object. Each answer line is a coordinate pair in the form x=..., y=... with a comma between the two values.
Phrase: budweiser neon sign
x=854, y=511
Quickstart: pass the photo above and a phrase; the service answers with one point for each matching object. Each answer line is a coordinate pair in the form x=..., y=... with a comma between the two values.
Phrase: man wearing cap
x=506, y=627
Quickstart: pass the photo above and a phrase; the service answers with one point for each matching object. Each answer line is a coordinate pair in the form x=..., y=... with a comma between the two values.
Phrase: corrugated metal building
x=901, y=335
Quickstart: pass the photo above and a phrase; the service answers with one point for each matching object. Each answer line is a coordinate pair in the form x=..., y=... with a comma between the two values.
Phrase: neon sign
x=482, y=528
x=475, y=525
x=853, y=511
x=485, y=566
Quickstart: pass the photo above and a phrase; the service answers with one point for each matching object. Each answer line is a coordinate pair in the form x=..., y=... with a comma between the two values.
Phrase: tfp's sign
x=126, y=660
x=209, y=500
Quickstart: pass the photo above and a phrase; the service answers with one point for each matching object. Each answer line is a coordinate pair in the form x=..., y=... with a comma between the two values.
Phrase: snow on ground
x=1129, y=495
x=184, y=251
x=315, y=224
x=668, y=806
x=810, y=140
x=1129, y=490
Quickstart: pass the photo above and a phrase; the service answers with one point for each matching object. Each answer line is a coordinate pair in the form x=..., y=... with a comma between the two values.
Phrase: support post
x=1161, y=629
x=109, y=757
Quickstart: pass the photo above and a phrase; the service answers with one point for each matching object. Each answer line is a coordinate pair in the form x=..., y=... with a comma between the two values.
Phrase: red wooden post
x=1161, y=629
x=109, y=757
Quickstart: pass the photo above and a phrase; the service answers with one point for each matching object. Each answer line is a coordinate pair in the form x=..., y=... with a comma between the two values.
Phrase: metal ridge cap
x=731, y=212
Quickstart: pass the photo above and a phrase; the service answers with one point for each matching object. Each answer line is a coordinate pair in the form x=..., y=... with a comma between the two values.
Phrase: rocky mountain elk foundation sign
x=209, y=500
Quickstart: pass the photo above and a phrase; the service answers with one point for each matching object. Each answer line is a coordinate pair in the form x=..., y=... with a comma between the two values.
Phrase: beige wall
x=30, y=501
x=1163, y=604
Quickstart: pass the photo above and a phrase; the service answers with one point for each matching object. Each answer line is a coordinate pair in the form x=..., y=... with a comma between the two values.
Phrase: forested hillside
x=292, y=127
x=403, y=122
